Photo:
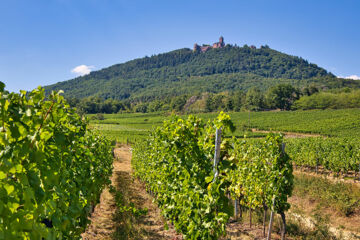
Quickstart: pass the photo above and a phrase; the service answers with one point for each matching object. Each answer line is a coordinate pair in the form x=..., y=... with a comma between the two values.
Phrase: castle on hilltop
x=204, y=48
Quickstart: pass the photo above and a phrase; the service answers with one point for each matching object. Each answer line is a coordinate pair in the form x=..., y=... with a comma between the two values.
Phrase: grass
x=297, y=229
x=341, y=197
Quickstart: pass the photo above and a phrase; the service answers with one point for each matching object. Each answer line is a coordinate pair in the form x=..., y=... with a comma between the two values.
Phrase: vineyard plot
x=337, y=155
x=175, y=163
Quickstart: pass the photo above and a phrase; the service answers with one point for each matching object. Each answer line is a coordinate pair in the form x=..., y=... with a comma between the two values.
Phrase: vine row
x=52, y=167
x=333, y=154
x=176, y=165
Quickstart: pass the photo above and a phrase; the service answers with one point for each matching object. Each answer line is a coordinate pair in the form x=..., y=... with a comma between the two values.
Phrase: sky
x=43, y=42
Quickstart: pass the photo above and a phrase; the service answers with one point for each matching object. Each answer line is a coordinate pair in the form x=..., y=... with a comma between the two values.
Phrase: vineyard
x=333, y=123
x=337, y=155
x=192, y=189
x=52, y=167
x=201, y=173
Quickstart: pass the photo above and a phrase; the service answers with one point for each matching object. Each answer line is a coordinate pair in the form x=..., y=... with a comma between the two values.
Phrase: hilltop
x=185, y=71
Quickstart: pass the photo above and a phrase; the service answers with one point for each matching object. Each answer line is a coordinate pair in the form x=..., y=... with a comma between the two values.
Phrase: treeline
x=345, y=98
x=98, y=105
x=282, y=97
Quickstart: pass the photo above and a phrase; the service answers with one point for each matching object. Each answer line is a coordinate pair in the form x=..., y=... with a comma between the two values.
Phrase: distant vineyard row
x=52, y=167
x=338, y=155
x=334, y=123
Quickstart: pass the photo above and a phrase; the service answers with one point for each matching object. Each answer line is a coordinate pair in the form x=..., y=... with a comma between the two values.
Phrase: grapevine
x=175, y=163
x=52, y=167
x=333, y=154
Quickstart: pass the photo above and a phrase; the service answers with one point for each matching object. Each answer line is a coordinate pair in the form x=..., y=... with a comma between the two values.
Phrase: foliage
x=175, y=163
x=254, y=99
x=326, y=100
x=215, y=102
x=97, y=105
x=52, y=167
x=183, y=71
x=335, y=123
x=334, y=154
x=131, y=127
x=339, y=196
x=263, y=174
x=98, y=116
x=282, y=96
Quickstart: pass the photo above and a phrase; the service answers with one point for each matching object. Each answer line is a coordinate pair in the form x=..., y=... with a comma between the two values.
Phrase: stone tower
x=221, y=40
x=196, y=47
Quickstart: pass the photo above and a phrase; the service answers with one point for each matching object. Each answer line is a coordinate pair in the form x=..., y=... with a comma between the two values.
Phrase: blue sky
x=43, y=41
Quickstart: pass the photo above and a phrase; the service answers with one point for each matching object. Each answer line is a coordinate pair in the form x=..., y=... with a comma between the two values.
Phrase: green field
x=129, y=127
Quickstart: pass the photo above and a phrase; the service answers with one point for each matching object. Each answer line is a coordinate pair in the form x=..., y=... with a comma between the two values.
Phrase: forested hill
x=184, y=71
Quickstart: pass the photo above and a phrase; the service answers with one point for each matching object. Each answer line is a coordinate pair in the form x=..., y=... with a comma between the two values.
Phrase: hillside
x=185, y=71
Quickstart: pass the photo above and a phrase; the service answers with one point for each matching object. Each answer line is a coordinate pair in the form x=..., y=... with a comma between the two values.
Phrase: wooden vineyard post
x=283, y=148
x=271, y=220
x=264, y=219
x=217, y=152
x=273, y=210
x=283, y=232
x=236, y=208
x=250, y=216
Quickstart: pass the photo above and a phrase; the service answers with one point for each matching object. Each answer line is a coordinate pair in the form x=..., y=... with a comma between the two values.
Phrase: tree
x=2, y=86
x=229, y=104
x=209, y=103
x=155, y=106
x=178, y=103
x=282, y=96
x=254, y=99
x=90, y=104
x=310, y=90
x=218, y=102
x=141, y=107
x=239, y=99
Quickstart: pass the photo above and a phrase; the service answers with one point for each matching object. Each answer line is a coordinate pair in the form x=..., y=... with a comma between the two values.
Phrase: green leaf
x=209, y=179
x=2, y=175
x=9, y=188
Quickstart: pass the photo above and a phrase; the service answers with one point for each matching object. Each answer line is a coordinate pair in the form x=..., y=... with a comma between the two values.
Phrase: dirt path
x=289, y=134
x=107, y=222
x=303, y=210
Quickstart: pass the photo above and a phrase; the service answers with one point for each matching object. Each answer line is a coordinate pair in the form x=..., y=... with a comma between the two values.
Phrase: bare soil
x=243, y=231
x=289, y=134
x=105, y=222
x=306, y=207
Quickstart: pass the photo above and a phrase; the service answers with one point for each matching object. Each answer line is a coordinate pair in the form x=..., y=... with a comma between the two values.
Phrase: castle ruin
x=204, y=48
